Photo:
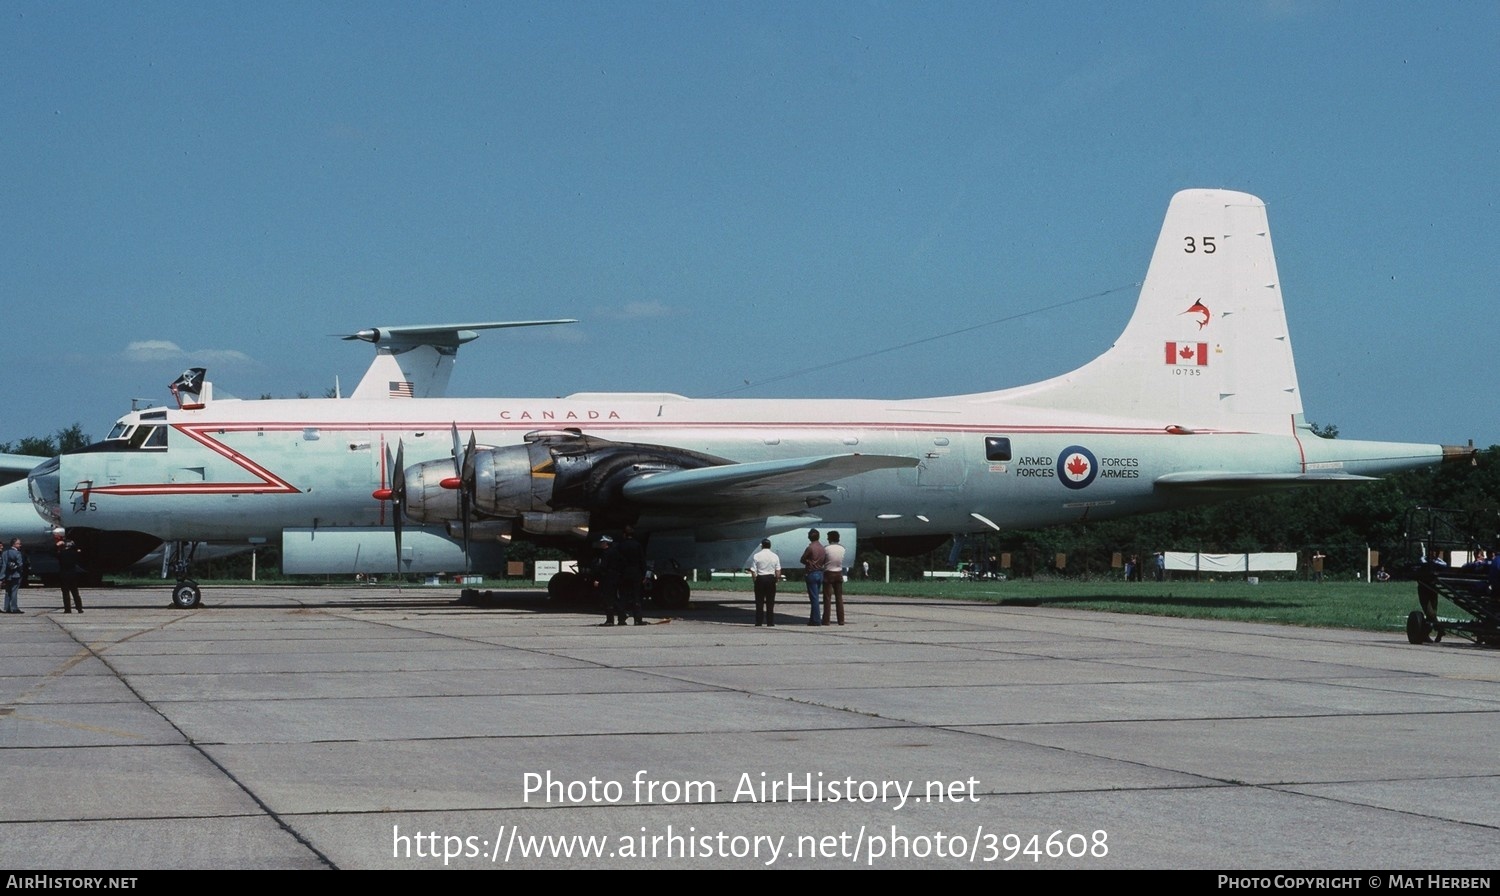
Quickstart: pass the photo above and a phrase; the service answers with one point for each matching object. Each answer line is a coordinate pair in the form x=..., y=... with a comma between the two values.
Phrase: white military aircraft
x=1196, y=401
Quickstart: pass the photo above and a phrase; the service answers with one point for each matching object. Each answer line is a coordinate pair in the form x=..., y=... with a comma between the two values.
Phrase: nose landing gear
x=177, y=559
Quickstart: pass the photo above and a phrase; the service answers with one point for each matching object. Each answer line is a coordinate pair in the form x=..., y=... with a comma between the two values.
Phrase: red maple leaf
x=1077, y=465
x=1187, y=351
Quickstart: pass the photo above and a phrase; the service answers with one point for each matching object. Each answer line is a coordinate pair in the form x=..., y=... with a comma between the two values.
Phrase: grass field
x=1358, y=605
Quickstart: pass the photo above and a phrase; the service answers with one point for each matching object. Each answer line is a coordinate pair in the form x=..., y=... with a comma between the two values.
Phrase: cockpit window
x=149, y=437
x=131, y=434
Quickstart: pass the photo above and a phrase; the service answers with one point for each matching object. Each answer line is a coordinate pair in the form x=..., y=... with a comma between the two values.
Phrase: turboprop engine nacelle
x=502, y=474
x=552, y=473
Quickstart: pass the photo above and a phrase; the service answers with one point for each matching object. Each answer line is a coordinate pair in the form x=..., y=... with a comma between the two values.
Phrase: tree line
x=69, y=439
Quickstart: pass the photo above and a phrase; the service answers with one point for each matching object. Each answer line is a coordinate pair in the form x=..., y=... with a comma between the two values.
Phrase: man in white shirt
x=765, y=566
x=833, y=577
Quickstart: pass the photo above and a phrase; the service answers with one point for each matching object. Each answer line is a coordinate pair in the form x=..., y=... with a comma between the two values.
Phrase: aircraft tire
x=673, y=592
x=1417, y=627
x=567, y=588
x=187, y=595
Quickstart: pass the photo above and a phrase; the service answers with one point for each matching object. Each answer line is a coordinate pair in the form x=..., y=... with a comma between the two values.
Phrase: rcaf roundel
x=1076, y=466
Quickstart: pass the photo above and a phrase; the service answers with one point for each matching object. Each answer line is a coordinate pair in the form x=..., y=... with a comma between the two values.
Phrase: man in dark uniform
x=12, y=570
x=69, y=570
x=629, y=561
x=608, y=576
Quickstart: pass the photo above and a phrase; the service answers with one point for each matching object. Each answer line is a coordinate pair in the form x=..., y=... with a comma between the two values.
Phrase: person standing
x=833, y=578
x=630, y=564
x=765, y=568
x=69, y=570
x=608, y=575
x=812, y=567
x=12, y=567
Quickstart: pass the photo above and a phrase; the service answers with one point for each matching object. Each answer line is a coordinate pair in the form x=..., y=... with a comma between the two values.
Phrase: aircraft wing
x=19, y=463
x=756, y=481
x=16, y=466
x=1232, y=481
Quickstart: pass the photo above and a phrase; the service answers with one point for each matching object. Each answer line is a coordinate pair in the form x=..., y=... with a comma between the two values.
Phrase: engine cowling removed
x=554, y=482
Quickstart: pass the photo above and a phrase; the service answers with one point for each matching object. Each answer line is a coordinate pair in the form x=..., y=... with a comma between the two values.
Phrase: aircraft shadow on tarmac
x=419, y=597
x=383, y=596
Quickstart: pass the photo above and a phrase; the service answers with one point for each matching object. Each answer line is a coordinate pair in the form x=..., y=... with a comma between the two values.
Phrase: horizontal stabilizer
x=450, y=335
x=416, y=361
x=756, y=481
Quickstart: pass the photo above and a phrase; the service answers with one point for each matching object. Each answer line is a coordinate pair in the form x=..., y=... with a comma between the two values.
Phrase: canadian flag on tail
x=1194, y=353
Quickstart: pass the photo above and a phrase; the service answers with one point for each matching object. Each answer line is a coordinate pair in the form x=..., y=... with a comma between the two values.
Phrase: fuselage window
x=996, y=448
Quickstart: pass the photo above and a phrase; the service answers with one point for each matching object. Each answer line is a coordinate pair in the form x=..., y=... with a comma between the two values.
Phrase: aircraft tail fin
x=1207, y=346
x=419, y=371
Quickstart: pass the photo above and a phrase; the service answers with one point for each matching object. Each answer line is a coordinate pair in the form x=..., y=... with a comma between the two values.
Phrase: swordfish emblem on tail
x=1199, y=308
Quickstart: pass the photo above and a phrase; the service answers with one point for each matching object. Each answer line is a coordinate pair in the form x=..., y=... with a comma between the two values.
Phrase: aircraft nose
x=45, y=486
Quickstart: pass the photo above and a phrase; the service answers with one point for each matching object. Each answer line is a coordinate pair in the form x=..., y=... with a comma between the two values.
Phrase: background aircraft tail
x=416, y=362
x=1207, y=346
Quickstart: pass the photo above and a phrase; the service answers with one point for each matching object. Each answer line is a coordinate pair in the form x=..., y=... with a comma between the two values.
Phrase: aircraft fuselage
x=318, y=462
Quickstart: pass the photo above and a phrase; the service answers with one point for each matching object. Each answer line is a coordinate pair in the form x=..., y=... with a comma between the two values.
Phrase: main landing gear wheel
x=568, y=588
x=186, y=595
x=1417, y=627
x=672, y=592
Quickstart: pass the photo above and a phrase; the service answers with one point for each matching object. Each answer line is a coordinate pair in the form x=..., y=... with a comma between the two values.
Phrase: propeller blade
x=389, y=493
x=398, y=496
x=466, y=490
x=466, y=472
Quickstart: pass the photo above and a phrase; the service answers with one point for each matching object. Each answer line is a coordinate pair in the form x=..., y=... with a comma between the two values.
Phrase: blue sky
x=731, y=193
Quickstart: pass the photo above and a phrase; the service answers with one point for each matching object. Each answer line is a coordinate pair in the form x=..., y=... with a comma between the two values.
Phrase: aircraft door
x=942, y=464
